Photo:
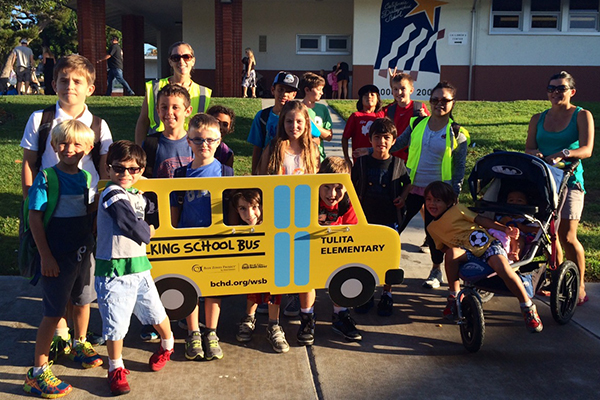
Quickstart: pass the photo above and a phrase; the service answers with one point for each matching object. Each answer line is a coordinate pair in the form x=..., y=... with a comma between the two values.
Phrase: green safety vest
x=199, y=95
x=416, y=143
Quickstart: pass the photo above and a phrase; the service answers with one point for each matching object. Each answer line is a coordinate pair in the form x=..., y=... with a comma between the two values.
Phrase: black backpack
x=264, y=117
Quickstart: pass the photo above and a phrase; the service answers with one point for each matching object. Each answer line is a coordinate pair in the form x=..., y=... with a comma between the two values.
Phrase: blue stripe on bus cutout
x=282, y=259
x=282, y=210
x=301, y=258
x=302, y=206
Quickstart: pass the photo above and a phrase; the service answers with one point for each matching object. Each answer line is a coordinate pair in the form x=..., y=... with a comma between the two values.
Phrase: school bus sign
x=289, y=252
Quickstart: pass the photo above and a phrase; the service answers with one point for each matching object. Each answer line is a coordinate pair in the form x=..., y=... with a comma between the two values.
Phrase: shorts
x=573, y=204
x=249, y=81
x=74, y=282
x=495, y=249
x=261, y=298
x=121, y=296
x=23, y=74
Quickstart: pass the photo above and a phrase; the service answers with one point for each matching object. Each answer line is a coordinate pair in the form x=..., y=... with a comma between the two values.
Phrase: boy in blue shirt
x=65, y=246
x=193, y=209
x=123, y=281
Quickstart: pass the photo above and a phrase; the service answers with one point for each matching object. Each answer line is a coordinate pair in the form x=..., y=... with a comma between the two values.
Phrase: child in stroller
x=463, y=235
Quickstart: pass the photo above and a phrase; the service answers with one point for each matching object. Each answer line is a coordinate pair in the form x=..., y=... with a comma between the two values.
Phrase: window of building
x=544, y=16
x=323, y=44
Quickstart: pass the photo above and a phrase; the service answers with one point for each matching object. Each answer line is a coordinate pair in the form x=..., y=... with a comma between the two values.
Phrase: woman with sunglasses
x=437, y=151
x=181, y=60
x=565, y=131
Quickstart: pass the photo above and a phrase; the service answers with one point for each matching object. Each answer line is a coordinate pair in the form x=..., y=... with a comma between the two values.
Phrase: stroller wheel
x=564, y=292
x=484, y=295
x=472, y=325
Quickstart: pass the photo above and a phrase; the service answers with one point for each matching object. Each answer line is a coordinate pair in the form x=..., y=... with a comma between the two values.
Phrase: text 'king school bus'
x=289, y=252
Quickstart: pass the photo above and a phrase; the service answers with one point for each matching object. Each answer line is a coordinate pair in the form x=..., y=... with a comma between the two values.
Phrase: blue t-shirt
x=196, y=207
x=170, y=155
x=255, y=135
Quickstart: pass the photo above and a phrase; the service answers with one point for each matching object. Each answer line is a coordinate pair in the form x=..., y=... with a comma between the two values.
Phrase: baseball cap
x=287, y=79
x=24, y=40
x=367, y=89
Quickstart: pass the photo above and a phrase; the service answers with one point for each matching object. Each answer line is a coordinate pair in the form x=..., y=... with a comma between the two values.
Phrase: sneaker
x=263, y=308
x=344, y=325
x=532, y=319
x=117, y=380
x=292, y=308
x=160, y=358
x=46, y=384
x=365, y=308
x=59, y=347
x=435, y=279
x=425, y=247
x=276, y=337
x=148, y=333
x=193, y=346
x=450, y=312
x=247, y=325
x=306, y=333
x=211, y=346
x=385, y=305
x=86, y=355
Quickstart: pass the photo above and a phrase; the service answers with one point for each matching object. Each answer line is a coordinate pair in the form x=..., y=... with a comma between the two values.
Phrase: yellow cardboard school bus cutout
x=289, y=252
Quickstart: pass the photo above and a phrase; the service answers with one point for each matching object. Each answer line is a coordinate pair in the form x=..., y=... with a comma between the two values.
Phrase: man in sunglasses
x=114, y=61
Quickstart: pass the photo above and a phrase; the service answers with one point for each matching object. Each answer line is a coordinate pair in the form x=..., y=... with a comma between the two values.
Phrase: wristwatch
x=566, y=153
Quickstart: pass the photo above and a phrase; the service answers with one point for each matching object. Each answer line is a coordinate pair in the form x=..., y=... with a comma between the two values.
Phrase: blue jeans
x=115, y=73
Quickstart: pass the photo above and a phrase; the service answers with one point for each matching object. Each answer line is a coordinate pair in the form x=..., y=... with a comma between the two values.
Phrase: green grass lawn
x=503, y=125
x=492, y=125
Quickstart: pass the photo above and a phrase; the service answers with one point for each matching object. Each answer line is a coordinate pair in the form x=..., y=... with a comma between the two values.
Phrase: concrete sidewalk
x=413, y=354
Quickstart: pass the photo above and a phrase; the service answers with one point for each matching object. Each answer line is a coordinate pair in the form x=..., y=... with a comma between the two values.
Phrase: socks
x=337, y=310
x=79, y=341
x=62, y=333
x=114, y=364
x=251, y=315
x=307, y=310
x=528, y=304
x=168, y=344
x=37, y=371
x=273, y=322
x=451, y=293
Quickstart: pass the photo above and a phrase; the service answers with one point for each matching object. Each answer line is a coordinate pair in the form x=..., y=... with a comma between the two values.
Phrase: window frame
x=324, y=44
x=563, y=19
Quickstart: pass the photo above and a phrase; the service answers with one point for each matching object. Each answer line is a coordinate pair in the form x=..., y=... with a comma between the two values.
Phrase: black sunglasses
x=119, y=169
x=435, y=100
x=200, y=141
x=176, y=57
x=557, y=89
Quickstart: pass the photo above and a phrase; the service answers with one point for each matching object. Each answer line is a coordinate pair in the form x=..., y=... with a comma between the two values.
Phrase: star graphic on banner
x=427, y=6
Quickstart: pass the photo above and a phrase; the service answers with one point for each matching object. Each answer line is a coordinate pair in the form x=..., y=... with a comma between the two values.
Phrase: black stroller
x=492, y=178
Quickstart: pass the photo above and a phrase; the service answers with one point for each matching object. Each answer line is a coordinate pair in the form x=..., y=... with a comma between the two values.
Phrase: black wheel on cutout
x=178, y=288
x=564, y=292
x=484, y=295
x=472, y=326
x=351, y=287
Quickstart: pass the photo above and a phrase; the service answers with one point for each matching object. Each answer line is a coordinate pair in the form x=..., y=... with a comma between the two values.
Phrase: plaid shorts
x=495, y=248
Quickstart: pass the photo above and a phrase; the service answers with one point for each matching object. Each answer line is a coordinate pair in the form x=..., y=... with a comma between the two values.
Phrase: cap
x=367, y=89
x=24, y=40
x=287, y=79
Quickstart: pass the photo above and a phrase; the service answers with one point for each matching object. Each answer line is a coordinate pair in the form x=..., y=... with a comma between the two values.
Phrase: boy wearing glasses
x=123, y=281
x=193, y=209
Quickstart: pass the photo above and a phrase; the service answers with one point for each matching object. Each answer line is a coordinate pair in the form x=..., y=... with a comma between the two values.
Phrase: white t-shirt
x=50, y=158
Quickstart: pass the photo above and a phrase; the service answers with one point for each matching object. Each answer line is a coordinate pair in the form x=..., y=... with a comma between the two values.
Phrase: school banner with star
x=409, y=31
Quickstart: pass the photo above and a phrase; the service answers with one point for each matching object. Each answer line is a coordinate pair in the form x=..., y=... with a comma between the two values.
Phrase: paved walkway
x=413, y=354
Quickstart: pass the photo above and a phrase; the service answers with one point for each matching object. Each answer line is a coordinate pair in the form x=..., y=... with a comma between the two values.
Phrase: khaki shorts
x=573, y=204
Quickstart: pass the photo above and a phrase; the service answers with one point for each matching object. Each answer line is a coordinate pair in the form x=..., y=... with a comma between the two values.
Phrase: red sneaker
x=160, y=358
x=532, y=319
x=117, y=380
x=450, y=312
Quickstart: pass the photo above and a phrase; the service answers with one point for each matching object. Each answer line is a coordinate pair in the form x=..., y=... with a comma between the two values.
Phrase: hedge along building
x=490, y=49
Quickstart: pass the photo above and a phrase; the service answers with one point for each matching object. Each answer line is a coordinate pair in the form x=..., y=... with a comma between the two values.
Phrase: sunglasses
x=557, y=89
x=200, y=141
x=176, y=57
x=119, y=169
x=434, y=101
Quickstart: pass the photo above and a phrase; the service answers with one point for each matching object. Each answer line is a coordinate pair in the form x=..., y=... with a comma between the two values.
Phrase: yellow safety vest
x=199, y=95
x=416, y=143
